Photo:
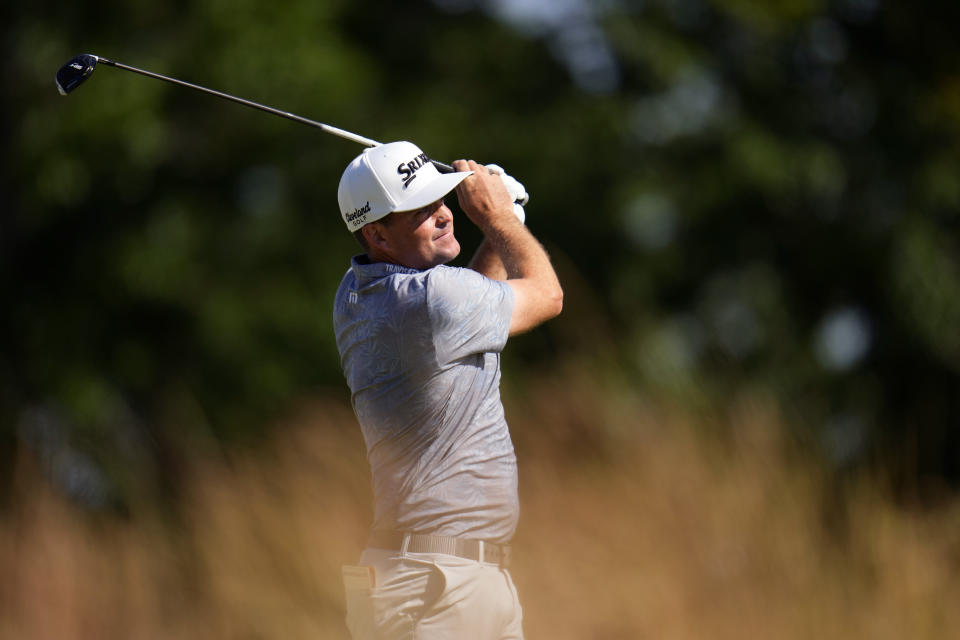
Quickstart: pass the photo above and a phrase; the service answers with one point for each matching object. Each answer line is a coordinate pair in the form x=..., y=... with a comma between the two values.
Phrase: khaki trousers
x=395, y=595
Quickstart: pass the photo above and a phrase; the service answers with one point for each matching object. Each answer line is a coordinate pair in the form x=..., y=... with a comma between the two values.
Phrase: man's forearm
x=537, y=290
x=487, y=261
x=520, y=254
x=509, y=249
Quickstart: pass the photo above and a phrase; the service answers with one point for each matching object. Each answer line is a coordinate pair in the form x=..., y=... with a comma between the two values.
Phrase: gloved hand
x=514, y=188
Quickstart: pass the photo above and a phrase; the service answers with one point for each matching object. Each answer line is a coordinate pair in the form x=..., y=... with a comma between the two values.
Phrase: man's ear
x=373, y=233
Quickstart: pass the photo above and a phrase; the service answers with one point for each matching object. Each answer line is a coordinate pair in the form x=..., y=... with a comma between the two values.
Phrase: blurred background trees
x=738, y=195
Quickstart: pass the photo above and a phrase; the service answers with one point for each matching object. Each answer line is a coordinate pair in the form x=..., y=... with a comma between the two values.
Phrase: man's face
x=418, y=239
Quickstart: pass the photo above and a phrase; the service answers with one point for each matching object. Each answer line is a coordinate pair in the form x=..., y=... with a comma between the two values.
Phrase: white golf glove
x=514, y=188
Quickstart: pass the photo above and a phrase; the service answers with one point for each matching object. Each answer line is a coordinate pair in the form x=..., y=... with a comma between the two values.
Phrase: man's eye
x=430, y=208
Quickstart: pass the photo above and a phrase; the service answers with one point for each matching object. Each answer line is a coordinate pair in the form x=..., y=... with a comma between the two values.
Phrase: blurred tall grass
x=638, y=521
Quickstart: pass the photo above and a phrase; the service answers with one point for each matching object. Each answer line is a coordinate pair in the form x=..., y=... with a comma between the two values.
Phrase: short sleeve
x=469, y=313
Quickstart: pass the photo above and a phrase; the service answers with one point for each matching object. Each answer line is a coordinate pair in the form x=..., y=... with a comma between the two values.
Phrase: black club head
x=74, y=72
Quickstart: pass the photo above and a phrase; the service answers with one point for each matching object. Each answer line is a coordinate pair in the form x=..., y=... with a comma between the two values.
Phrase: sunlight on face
x=422, y=238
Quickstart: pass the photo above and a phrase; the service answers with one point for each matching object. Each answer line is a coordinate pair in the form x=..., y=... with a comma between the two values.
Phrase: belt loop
x=404, y=543
x=480, y=551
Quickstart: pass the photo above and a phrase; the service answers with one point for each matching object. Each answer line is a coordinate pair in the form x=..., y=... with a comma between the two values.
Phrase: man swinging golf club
x=420, y=346
x=419, y=343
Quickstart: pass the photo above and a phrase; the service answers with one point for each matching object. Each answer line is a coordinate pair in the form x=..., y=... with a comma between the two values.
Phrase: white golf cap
x=397, y=176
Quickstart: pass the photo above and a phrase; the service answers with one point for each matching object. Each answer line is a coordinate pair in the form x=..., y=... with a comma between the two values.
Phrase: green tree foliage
x=738, y=193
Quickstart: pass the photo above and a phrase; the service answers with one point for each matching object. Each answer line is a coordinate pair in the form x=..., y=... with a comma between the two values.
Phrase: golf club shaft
x=443, y=168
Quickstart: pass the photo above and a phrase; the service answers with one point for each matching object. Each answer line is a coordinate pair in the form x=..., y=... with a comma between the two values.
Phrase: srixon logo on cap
x=408, y=170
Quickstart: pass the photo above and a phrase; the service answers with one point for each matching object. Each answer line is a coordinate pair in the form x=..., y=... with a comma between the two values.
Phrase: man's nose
x=443, y=214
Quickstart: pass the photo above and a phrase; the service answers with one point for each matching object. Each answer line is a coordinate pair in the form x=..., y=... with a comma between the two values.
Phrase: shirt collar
x=366, y=271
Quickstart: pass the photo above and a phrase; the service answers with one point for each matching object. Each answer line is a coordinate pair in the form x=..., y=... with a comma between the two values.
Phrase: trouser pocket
x=357, y=585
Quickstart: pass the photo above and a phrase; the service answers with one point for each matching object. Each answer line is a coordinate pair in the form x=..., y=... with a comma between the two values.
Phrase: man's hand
x=516, y=190
x=484, y=196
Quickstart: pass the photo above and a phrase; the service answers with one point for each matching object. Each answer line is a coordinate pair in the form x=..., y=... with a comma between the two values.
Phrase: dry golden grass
x=633, y=526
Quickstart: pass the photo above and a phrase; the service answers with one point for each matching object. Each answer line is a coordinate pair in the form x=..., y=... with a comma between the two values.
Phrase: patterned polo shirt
x=420, y=351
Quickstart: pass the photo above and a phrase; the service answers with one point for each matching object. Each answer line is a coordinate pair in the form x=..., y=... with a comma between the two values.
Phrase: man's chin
x=448, y=249
x=447, y=257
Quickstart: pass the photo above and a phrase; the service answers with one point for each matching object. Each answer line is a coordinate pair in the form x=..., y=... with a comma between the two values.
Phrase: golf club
x=76, y=71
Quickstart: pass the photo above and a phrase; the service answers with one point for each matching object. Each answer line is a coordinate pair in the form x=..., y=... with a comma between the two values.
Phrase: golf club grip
x=441, y=167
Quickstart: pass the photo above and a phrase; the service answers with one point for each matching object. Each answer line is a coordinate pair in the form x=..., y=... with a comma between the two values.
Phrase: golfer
x=420, y=347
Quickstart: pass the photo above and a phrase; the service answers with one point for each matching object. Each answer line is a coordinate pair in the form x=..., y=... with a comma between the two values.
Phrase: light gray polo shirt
x=421, y=354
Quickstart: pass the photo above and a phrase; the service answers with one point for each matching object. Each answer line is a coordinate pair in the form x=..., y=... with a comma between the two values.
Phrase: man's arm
x=487, y=261
x=509, y=251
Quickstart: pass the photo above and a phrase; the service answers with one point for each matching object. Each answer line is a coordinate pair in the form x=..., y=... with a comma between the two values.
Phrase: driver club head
x=74, y=72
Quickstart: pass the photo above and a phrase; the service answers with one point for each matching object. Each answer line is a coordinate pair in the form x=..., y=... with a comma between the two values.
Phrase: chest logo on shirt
x=408, y=170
